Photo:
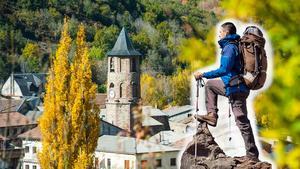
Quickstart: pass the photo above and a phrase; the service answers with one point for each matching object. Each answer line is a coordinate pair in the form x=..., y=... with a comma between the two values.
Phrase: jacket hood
x=231, y=37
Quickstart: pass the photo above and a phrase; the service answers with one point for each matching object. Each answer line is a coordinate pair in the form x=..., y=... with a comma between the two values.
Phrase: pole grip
x=197, y=95
x=198, y=84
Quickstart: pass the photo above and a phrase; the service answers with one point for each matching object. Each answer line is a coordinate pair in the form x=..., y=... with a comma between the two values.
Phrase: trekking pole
x=200, y=83
x=197, y=109
x=229, y=118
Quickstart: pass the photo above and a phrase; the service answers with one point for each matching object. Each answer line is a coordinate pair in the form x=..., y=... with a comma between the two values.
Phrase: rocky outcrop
x=211, y=156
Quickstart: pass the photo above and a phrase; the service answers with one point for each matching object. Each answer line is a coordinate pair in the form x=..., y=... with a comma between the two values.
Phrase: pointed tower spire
x=123, y=46
x=123, y=79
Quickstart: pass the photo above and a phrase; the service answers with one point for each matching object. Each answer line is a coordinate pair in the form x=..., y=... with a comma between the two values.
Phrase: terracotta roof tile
x=13, y=119
x=34, y=133
x=9, y=105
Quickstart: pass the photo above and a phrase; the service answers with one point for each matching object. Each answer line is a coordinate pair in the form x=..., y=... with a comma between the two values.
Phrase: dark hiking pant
x=215, y=87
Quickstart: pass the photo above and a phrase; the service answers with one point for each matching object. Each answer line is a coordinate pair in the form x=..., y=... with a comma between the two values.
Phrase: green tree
x=96, y=53
x=30, y=58
x=99, y=71
x=105, y=38
x=3, y=71
x=141, y=42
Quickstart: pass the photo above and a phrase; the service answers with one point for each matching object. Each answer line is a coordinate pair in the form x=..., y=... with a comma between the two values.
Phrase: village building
x=14, y=123
x=123, y=82
x=24, y=85
x=177, y=113
x=10, y=154
x=11, y=125
x=21, y=105
x=130, y=153
x=31, y=144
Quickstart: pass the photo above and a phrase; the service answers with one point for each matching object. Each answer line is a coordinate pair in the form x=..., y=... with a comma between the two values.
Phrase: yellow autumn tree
x=180, y=85
x=84, y=113
x=54, y=123
x=162, y=91
x=198, y=53
x=70, y=123
x=156, y=91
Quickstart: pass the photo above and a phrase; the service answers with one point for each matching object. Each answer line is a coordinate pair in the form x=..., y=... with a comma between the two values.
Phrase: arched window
x=111, y=91
x=134, y=89
x=121, y=61
x=133, y=65
x=111, y=65
x=121, y=90
x=111, y=85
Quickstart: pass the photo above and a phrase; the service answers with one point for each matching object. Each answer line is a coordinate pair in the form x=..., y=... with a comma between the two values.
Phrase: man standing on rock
x=230, y=66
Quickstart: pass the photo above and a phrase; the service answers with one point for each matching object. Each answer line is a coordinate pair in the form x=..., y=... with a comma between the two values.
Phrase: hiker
x=237, y=95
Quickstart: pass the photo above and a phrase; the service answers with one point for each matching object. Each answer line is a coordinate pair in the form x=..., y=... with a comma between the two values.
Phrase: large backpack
x=253, y=59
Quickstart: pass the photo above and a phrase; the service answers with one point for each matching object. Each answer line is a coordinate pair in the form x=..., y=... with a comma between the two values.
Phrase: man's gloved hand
x=198, y=75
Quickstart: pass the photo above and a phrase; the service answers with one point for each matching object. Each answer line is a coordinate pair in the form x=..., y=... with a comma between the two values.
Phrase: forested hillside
x=30, y=30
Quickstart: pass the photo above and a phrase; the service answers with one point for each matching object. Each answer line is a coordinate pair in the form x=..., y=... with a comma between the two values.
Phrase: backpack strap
x=241, y=54
x=240, y=50
x=257, y=58
x=238, y=79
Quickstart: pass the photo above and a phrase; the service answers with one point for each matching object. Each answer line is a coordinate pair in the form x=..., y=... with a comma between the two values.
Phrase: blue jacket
x=230, y=65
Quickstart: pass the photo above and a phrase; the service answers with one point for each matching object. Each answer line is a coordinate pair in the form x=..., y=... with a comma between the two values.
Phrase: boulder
x=211, y=156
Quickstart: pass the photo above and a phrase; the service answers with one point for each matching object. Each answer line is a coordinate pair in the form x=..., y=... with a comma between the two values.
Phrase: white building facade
x=115, y=152
x=31, y=148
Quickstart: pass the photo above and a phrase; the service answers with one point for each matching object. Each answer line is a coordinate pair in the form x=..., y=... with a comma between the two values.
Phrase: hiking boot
x=210, y=118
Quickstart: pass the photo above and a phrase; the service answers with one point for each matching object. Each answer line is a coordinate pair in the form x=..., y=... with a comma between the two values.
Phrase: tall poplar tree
x=85, y=117
x=54, y=121
x=70, y=123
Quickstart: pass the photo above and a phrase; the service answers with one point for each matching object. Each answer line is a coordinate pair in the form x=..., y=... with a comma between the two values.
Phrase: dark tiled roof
x=123, y=46
x=40, y=77
x=33, y=102
x=28, y=80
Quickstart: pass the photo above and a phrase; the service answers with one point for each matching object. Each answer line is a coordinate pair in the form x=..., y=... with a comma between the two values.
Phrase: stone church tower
x=123, y=82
